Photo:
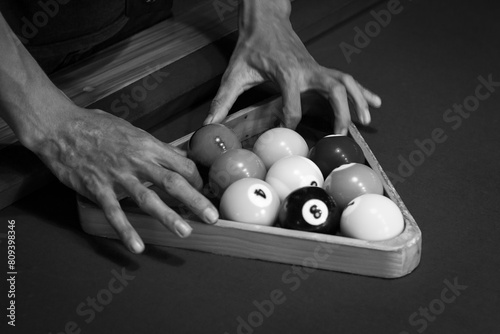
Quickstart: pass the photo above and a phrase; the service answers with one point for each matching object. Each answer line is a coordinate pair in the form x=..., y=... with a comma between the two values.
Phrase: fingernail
x=366, y=118
x=209, y=119
x=377, y=101
x=136, y=246
x=211, y=216
x=341, y=132
x=182, y=229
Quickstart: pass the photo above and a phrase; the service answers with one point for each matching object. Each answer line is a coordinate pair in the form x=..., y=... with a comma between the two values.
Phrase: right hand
x=268, y=49
x=105, y=159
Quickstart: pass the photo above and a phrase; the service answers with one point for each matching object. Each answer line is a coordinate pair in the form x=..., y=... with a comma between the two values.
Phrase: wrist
x=34, y=109
x=29, y=102
x=263, y=14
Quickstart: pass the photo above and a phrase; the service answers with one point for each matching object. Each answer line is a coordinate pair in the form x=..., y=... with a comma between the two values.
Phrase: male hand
x=106, y=158
x=95, y=153
x=269, y=49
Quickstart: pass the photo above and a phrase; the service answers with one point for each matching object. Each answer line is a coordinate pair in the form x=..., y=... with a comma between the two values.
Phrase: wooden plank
x=137, y=57
x=181, y=80
x=390, y=259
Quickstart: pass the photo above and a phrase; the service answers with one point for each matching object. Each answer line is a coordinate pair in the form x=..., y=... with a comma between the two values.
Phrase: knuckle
x=288, y=74
x=189, y=168
x=91, y=185
x=114, y=216
x=216, y=103
x=143, y=197
x=98, y=191
x=347, y=78
x=197, y=203
x=339, y=90
x=126, y=232
x=327, y=81
x=169, y=217
x=171, y=181
x=112, y=212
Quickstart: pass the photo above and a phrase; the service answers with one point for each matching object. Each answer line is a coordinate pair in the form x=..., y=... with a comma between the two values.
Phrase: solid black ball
x=334, y=151
x=310, y=209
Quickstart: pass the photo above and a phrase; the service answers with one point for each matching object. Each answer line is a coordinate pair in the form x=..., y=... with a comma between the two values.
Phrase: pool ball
x=352, y=180
x=278, y=143
x=333, y=151
x=251, y=201
x=310, y=209
x=233, y=165
x=371, y=217
x=293, y=172
x=210, y=141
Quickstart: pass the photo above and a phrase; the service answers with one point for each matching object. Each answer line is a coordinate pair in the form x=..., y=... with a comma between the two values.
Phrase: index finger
x=227, y=94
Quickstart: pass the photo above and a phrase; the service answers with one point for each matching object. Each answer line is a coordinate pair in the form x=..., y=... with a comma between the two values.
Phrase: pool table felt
x=426, y=60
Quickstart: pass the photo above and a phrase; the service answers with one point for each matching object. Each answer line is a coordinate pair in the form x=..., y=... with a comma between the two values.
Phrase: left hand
x=269, y=49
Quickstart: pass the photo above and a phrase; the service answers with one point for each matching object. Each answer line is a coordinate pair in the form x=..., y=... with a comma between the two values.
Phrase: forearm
x=29, y=101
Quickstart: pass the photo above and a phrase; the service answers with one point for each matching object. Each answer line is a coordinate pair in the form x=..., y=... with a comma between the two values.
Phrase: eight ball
x=310, y=209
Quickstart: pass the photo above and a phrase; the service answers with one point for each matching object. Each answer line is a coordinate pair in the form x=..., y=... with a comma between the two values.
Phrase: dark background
x=426, y=60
